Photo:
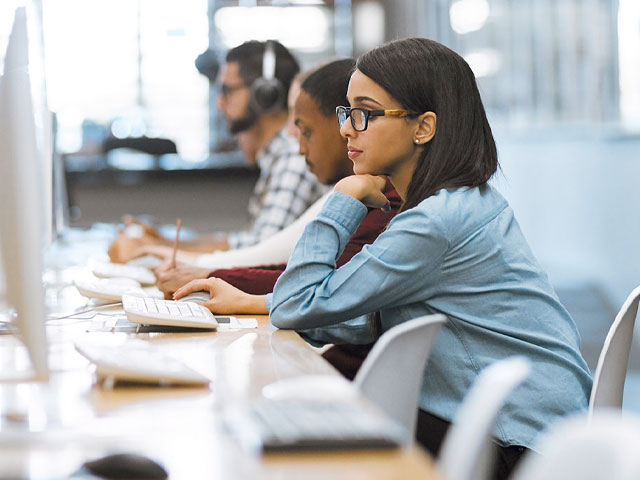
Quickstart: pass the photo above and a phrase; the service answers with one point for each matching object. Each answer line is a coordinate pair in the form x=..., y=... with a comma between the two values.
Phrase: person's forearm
x=253, y=304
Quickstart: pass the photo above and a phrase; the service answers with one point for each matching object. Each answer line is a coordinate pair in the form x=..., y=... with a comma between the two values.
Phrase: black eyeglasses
x=360, y=116
x=226, y=89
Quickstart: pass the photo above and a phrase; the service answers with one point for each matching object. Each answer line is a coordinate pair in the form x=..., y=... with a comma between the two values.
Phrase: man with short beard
x=258, y=116
x=285, y=187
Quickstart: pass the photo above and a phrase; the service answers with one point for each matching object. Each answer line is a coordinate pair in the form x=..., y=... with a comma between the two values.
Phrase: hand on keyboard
x=169, y=313
x=225, y=298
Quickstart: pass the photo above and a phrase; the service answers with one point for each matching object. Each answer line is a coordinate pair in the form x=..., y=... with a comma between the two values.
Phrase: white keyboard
x=303, y=424
x=167, y=313
x=138, y=361
x=109, y=289
x=110, y=270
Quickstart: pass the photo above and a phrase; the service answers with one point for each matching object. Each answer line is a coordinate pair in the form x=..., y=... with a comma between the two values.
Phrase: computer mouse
x=126, y=465
x=198, y=297
x=312, y=387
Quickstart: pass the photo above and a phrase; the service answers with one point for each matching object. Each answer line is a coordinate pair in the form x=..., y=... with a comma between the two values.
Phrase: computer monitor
x=23, y=230
x=60, y=200
x=42, y=114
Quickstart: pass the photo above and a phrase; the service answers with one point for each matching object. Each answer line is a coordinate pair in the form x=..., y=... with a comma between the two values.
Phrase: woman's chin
x=360, y=169
x=366, y=171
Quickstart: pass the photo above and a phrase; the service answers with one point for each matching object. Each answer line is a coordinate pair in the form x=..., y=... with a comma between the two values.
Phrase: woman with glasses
x=416, y=118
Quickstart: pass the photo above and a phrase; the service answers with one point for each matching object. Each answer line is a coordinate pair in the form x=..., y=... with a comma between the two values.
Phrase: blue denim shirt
x=459, y=252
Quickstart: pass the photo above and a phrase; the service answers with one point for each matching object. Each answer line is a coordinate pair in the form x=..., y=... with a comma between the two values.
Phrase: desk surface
x=48, y=429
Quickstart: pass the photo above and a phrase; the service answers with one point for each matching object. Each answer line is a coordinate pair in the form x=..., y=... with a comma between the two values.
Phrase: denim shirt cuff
x=344, y=210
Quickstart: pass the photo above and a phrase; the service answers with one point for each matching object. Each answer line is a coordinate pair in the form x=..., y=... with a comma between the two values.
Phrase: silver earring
x=417, y=141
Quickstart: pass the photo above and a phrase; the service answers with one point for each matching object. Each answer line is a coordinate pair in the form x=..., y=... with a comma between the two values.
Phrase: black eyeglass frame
x=347, y=112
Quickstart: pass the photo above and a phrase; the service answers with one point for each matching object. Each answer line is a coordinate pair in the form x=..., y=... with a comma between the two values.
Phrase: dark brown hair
x=425, y=76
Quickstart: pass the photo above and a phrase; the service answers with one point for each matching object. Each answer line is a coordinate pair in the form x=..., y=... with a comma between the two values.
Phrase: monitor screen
x=24, y=223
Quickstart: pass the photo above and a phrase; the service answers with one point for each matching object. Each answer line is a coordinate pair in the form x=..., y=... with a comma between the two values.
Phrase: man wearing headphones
x=254, y=82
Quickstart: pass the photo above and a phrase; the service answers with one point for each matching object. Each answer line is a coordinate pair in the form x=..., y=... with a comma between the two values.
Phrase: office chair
x=466, y=453
x=606, y=446
x=391, y=375
x=609, y=377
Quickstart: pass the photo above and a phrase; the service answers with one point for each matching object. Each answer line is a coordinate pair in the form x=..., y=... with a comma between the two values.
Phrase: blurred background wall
x=561, y=83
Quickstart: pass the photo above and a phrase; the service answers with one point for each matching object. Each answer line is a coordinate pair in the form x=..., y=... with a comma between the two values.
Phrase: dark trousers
x=347, y=358
x=431, y=430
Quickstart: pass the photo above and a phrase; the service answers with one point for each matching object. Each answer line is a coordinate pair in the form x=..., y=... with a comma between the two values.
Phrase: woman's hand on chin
x=366, y=188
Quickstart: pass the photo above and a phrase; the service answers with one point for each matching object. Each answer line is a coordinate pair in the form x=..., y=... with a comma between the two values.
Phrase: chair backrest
x=606, y=446
x=466, y=453
x=391, y=375
x=608, y=380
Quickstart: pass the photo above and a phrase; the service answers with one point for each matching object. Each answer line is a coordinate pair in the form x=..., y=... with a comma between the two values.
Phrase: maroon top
x=261, y=280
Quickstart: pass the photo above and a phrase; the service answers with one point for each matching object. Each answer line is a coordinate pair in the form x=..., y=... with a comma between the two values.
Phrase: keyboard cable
x=93, y=309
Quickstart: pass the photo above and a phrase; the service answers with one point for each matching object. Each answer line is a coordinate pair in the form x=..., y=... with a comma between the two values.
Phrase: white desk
x=72, y=419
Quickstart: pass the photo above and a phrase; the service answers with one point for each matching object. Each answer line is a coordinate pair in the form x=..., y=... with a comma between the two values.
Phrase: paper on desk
x=110, y=324
x=236, y=323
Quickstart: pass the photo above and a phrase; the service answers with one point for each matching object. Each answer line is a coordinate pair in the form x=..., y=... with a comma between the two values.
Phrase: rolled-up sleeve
x=400, y=267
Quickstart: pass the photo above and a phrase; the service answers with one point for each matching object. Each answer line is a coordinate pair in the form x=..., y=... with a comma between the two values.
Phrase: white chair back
x=603, y=447
x=609, y=377
x=466, y=453
x=391, y=375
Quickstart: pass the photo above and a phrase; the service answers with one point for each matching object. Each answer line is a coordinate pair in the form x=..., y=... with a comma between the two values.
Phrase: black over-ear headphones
x=267, y=92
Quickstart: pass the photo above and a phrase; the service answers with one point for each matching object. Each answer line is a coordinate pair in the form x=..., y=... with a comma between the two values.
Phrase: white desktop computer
x=25, y=194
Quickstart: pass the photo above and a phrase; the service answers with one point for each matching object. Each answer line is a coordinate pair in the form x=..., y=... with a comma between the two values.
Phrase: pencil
x=175, y=245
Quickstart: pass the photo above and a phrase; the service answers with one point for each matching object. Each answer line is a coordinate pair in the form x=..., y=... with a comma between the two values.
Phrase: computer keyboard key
x=169, y=313
x=107, y=289
x=303, y=424
x=138, y=361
